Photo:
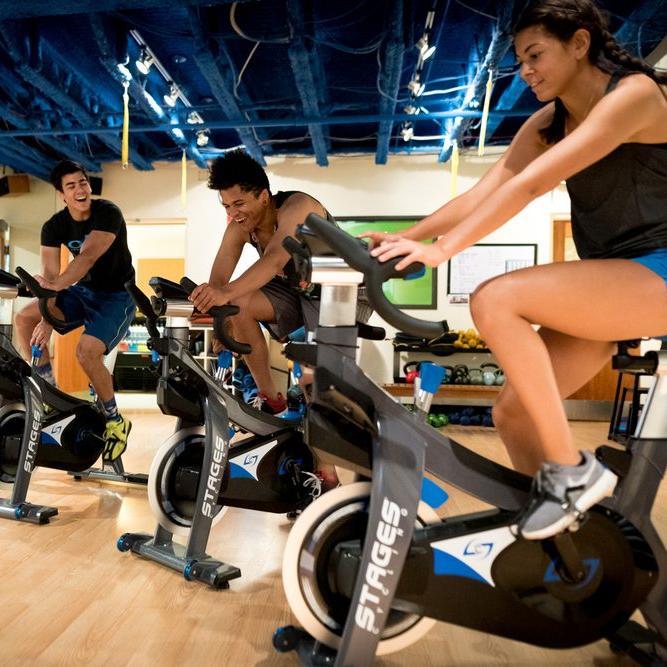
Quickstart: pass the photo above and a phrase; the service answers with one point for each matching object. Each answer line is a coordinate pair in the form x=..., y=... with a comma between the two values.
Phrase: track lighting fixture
x=144, y=62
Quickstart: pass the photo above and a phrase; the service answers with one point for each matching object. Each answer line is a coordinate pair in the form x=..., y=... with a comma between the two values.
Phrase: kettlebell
x=500, y=376
x=411, y=371
x=447, y=379
x=460, y=374
x=489, y=370
x=475, y=375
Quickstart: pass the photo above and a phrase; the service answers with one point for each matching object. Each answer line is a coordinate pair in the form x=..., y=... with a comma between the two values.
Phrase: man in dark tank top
x=266, y=292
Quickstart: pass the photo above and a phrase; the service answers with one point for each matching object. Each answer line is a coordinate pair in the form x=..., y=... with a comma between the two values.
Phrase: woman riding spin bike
x=603, y=130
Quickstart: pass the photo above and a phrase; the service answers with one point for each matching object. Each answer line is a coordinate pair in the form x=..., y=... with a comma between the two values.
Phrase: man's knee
x=90, y=352
x=27, y=318
x=254, y=306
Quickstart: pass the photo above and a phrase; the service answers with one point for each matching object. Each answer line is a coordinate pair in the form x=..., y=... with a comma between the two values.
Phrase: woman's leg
x=574, y=362
x=597, y=300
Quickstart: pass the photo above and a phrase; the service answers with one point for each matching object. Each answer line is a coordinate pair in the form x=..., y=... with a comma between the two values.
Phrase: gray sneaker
x=561, y=494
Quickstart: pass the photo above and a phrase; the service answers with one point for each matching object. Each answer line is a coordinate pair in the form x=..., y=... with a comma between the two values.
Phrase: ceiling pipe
x=391, y=54
x=279, y=122
x=309, y=77
x=221, y=83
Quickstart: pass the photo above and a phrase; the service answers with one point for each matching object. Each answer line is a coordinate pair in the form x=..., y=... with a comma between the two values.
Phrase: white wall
x=351, y=185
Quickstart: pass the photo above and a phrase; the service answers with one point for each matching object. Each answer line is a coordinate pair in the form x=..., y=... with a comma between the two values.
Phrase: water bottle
x=36, y=354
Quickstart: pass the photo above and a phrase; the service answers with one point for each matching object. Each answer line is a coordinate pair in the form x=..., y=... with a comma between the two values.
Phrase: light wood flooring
x=68, y=597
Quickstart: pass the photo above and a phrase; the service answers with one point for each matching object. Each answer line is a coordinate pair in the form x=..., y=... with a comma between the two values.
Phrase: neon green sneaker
x=115, y=438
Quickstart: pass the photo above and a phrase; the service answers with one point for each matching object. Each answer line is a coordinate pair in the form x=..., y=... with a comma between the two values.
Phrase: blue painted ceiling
x=296, y=77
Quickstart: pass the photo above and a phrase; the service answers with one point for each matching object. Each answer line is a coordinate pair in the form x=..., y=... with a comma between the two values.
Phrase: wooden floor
x=68, y=597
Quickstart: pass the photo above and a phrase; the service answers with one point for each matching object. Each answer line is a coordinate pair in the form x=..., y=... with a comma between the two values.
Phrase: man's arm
x=50, y=262
x=227, y=256
x=292, y=213
x=95, y=245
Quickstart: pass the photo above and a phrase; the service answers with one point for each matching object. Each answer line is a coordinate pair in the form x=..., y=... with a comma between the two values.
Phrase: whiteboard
x=480, y=262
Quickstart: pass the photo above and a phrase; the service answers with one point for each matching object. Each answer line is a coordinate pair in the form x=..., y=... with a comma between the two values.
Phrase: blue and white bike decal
x=471, y=556
x=245, y=465
x=52, y=434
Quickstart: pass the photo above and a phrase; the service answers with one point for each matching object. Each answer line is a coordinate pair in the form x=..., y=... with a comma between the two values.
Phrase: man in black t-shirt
x=90, y=290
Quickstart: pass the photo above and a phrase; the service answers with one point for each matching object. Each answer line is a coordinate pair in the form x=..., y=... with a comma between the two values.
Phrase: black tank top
x=289, y=272
x=619, y=203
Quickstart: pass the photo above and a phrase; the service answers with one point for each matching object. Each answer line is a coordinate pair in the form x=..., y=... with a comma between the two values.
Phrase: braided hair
x=562, y=18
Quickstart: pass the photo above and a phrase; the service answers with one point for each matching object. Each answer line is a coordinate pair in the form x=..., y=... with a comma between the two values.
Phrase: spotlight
x=144, y=62
x=425, y=51
x=194, y=118
x=202, y=138
x=416, y=87
x=172, y=96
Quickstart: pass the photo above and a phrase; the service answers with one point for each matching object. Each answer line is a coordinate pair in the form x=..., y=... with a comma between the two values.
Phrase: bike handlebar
x=220, y=314
x=322, y=237
x=43, y=295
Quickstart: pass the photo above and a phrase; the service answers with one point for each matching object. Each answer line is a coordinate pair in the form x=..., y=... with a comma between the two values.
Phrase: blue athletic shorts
x=105, y=315
x=656, y=260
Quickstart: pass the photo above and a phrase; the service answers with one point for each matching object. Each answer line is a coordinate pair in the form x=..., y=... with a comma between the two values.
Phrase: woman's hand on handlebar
x=377, y=238
x=41, y=334
x=414, y=251
x=206, y=297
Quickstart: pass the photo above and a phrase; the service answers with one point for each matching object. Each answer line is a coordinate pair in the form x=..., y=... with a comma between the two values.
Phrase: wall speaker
x=95, y=184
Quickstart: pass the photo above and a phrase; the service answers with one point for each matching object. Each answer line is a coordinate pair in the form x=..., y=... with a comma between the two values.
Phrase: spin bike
x=270, y=471
x=39, y=424
x=368, y=568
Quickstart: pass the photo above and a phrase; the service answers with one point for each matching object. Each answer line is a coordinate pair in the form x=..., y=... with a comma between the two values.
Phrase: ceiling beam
x=55, y=93
x=108, y=37
x=309, y=76
x=36, y=8
x=9, y=112
x=15, y=156
x=628, y=33
x=389, y=79
x=501, y=39
x=216, y=66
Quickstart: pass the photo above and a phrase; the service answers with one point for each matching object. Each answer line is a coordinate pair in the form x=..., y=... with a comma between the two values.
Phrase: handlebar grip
x=142, y=302
x=43, y=295
x=220, y=314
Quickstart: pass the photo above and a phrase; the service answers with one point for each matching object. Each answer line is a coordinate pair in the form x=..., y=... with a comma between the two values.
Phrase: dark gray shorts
x=294, y=310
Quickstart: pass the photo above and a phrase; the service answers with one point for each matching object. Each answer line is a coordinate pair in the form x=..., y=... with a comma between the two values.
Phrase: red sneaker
x=273, y=405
